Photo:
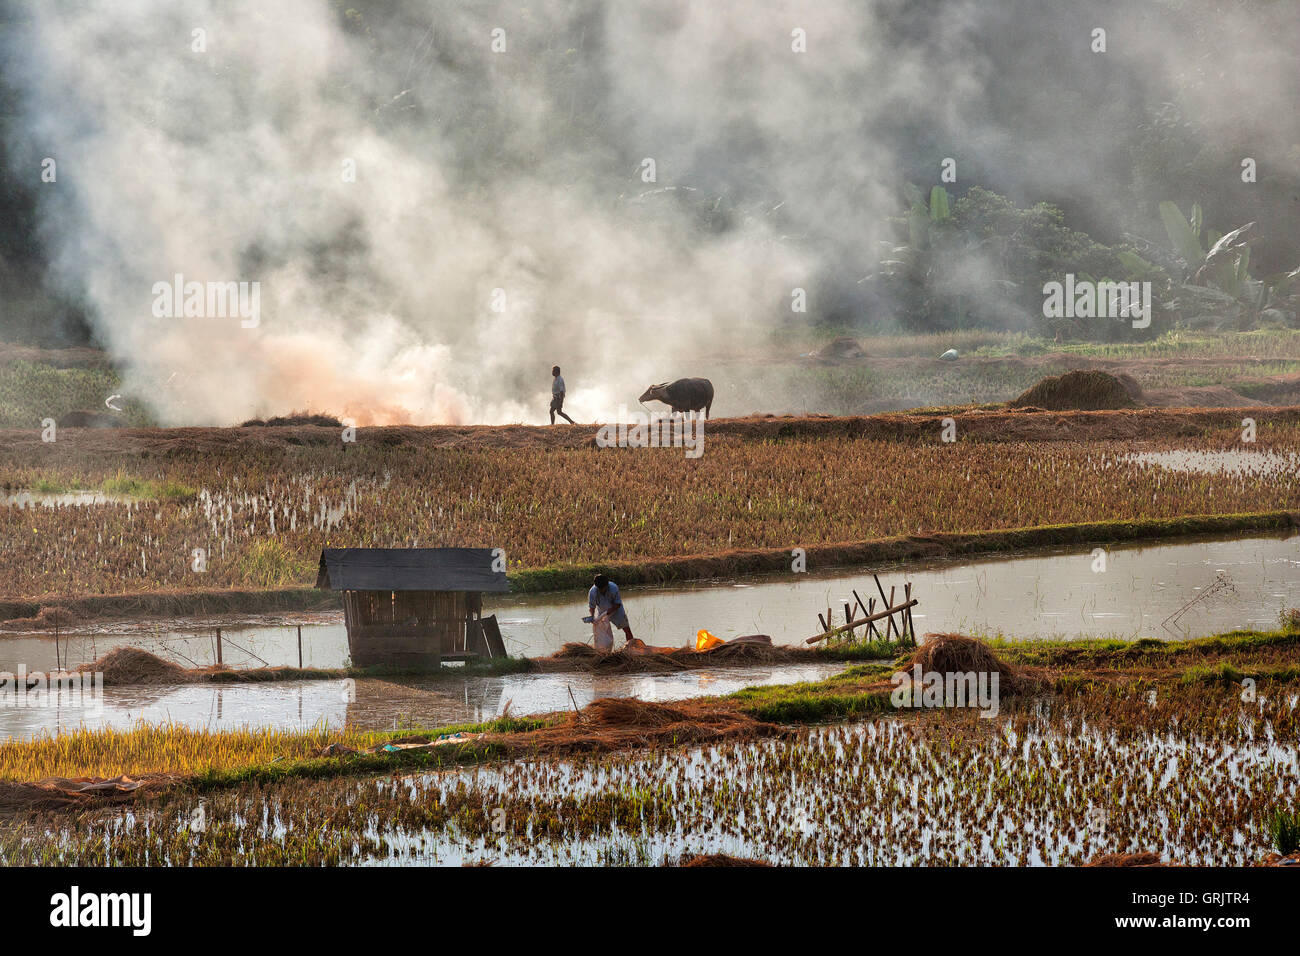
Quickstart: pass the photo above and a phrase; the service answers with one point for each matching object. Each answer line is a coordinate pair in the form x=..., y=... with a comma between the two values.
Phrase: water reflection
x=1056, y=594
x=387, y=704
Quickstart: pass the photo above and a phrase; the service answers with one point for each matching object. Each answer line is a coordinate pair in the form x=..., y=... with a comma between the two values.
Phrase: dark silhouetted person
x=557, y=397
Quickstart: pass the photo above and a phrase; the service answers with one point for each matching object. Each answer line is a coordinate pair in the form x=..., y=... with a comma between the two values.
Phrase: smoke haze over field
x=521, y=171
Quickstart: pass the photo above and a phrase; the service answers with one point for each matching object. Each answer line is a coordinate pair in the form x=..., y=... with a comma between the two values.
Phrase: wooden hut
x=414, y=607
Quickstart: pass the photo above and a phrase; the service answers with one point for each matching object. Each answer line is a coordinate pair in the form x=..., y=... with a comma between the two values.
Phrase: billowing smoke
x=440, y=201
x=490, y=232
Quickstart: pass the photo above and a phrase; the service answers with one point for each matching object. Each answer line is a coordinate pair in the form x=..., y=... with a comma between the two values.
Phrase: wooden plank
x=395, y=644
x=474, y=641
x=492, y=635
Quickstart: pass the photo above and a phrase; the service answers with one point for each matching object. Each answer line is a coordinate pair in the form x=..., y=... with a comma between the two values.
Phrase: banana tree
x=1224, y=265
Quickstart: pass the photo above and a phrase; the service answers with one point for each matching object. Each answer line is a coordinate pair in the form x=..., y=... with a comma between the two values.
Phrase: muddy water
x=1062, y=593
x=1217, y=585
x=1251, y=463
x=61, y=499
x=378, y=704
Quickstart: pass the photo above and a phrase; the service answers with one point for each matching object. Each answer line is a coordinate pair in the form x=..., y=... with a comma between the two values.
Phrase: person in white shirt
x=604, y=602
x=557, y=397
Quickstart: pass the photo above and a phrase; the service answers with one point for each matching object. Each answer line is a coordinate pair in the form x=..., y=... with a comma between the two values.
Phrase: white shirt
x=603, y=602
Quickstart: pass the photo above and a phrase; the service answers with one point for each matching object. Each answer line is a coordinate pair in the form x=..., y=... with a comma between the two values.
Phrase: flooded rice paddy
x=1037, y=791
x=380, y=704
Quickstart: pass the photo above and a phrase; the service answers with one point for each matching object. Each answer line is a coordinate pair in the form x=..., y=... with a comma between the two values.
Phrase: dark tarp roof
x=409, y=569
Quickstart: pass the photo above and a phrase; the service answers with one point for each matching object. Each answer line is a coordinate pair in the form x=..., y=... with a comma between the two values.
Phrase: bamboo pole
x=299, y=647
x=886, y=602
x=911, y=625
x=873, y=617
x=861, y=603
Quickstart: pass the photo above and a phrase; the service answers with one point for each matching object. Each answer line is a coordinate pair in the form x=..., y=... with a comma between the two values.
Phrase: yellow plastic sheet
x=704, y=640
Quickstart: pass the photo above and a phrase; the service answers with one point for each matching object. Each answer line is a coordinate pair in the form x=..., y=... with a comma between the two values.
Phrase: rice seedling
x=157, y=748
x=175, y=749
x=1052, y=783
x=1079, y=762
x=1284, y=829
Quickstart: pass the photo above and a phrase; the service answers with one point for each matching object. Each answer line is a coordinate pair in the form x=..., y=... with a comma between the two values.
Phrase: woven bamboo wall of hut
x=407, y=628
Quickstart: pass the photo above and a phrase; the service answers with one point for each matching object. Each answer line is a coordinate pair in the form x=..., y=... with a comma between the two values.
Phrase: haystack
x=1080, y=391
x=583, y=657
x=958, y=654
x=841, y=349
x=741, y=651
x=296, y=419
x=131, y=665
x=631, y=712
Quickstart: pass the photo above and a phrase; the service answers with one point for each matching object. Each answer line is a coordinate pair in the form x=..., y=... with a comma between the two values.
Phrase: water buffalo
x=683, y=395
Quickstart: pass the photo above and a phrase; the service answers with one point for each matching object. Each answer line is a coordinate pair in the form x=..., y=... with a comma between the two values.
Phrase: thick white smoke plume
x=500, y=219
x=475, y=248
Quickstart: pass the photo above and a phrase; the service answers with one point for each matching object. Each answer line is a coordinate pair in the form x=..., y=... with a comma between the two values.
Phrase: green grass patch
x=1223, y=672
x=31, y=392
x=270, y=563
x=123, y=485
x=836, y=698
x=819, y=708
x=1284, y=830
x=360, y=764
x=1106, y=651
x=49, y=486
